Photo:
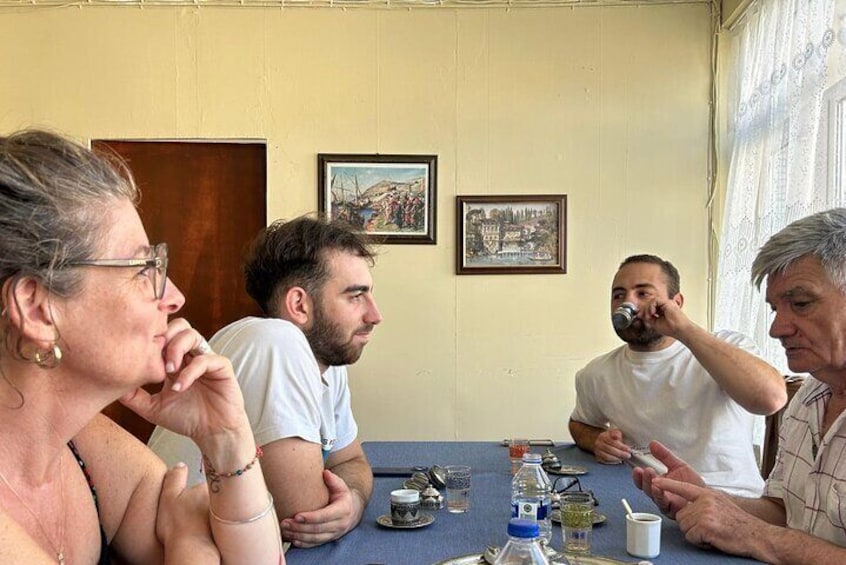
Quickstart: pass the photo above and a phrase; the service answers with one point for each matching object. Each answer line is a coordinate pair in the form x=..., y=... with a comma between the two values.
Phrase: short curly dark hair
x=292, y=253
x=670, y=272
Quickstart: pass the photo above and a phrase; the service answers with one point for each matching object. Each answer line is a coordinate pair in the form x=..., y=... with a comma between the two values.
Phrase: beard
x=329, y=344
x=639, y=335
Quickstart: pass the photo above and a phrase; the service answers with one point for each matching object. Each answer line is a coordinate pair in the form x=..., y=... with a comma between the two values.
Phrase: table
x=453, y=535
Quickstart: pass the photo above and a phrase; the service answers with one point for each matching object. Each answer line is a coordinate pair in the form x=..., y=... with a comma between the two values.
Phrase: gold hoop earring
x=50, y=358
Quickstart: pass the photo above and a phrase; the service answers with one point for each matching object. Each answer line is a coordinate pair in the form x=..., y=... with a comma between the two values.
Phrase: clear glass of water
x=576, y=521
x=458, y=488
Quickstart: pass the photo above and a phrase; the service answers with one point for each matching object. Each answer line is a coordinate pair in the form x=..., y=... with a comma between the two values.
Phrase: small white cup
x=643, y=534
x=405, y=506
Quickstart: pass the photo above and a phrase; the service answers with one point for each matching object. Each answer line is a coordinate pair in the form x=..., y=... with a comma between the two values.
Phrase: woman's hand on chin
x=200, y=396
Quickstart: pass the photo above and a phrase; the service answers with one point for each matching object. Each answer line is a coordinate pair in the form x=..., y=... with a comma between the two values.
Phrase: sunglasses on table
x=574, y=482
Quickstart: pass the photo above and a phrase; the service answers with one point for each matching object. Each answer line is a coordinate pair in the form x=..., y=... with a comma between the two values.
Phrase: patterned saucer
x=425, y=519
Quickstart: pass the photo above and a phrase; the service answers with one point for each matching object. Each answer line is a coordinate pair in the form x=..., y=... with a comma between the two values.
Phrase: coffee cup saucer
x=567, y=470
x=424, y=520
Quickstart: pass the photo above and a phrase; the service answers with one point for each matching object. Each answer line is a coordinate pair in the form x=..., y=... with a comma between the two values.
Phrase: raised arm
x=201, y=399
x=749, y=380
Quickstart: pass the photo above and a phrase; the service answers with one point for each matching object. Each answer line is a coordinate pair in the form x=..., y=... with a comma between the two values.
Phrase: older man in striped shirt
x=801, y=517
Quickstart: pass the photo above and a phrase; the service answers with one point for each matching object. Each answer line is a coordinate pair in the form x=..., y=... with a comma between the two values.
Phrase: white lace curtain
x=786, y=68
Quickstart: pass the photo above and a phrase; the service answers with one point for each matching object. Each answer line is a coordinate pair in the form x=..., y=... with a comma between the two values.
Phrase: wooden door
x=207, y=200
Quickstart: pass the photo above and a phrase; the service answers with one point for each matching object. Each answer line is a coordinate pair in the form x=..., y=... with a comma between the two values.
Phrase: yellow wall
x=608, y=105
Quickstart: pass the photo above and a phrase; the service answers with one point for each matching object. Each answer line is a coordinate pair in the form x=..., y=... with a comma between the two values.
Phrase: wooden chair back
x=772, y=425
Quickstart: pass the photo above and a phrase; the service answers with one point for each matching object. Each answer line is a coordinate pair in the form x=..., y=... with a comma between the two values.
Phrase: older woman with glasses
x=84, y=316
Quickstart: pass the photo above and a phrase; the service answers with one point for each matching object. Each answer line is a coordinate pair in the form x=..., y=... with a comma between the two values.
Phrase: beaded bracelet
x=214, y=477
x=255, y=518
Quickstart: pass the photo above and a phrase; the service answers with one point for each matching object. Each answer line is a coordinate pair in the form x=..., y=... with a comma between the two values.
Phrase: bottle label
x=529, y=510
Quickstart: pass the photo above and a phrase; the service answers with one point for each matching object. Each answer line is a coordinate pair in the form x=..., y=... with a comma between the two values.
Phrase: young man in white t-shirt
x=312, y=280
x=676, y=383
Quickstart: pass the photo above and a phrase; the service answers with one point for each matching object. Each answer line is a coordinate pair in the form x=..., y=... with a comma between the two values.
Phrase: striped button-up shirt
x=810, y=470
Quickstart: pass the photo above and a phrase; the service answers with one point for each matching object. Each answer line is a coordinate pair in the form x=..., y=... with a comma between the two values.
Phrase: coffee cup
x=405, y=506
x=643, y=534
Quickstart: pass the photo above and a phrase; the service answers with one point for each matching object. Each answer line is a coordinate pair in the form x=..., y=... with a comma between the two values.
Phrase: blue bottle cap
x=522, y=528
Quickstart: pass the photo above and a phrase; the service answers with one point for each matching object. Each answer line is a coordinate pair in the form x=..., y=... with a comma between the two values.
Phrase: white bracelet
x=255, y=518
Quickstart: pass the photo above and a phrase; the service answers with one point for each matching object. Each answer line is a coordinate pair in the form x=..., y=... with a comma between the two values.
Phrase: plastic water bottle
x=531, y=495
x=522, y=547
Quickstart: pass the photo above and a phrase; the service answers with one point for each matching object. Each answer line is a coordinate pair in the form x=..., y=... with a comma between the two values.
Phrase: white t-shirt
x=668, y=396
x=284, y=393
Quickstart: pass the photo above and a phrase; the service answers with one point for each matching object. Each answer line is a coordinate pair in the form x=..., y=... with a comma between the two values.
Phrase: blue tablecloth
x=453, y=535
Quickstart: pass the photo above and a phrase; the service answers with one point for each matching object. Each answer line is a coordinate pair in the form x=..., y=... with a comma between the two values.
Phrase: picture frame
x=512, y=234
x=389, y=197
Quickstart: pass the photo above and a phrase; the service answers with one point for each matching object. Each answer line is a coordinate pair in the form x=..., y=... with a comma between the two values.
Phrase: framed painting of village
x=511, y=234
x=389, y=197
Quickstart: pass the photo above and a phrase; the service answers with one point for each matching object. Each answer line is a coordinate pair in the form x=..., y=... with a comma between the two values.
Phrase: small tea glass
x=576, y=511
x=458, y=488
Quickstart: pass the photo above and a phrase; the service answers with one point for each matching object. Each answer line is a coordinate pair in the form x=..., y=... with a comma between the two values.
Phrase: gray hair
x=822, y=235
x=54, y=194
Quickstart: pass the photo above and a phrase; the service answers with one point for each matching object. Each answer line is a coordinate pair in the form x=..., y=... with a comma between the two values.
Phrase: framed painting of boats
x=511, y=234
x=388, y=197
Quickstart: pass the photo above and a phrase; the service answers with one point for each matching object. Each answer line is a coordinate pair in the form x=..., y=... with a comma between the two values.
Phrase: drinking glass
x=458, y=488
x=517, y=447
x=576, y=521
